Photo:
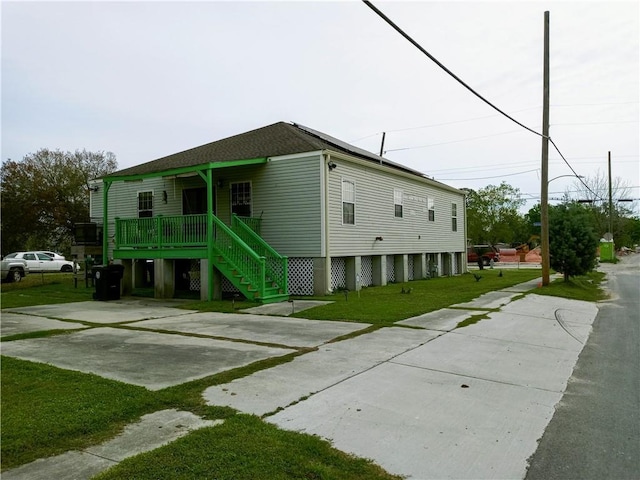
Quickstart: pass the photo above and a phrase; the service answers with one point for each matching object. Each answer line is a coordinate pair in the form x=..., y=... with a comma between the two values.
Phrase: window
x=454, y=217
x=241, y=199
x=348, y=202
x=431, y=209
x=145, y=204
x=397, y=202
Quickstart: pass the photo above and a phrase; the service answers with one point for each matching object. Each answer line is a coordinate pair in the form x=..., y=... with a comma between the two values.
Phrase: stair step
x=274, y=298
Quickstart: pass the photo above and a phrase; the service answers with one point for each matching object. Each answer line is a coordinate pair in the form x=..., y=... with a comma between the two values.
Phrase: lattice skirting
x=410, y=267
x=366, y=271
x=338, y=273
x=391, y=269
x=301, y=276
x=301, y=272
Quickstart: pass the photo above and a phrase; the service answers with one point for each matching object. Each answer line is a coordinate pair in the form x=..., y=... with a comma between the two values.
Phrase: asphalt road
x=595, y=432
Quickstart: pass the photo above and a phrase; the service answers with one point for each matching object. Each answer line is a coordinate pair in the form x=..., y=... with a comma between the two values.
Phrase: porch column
x=353, y=266
x=164, y=278
x=320, y=286
x=127, y=277
x=379, y=263
x=420, y=266
x=401, y=266
x=215, y=281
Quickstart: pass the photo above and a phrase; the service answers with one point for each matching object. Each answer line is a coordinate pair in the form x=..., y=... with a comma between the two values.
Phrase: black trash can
x=107, y=281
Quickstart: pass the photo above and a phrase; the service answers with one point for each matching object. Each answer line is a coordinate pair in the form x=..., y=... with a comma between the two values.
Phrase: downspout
x=106, y=185
x=327, y=241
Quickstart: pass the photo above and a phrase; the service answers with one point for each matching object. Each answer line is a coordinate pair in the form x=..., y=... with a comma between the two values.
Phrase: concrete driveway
x=155, y=344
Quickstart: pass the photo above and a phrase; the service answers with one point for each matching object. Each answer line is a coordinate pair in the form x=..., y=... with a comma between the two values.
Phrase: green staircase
x=249, y=263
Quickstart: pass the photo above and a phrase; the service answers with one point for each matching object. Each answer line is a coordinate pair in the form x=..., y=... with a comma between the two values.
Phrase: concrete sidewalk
x=432, y=402
x=471, y=403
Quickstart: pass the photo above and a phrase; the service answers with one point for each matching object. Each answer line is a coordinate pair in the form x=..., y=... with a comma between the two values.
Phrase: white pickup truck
x=14, y=269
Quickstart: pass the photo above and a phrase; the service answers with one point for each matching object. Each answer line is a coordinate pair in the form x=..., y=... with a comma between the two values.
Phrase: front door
x=194, y=201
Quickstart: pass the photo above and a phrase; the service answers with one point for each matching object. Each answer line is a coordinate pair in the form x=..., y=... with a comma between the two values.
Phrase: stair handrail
x=238, y=254
x=265, y=250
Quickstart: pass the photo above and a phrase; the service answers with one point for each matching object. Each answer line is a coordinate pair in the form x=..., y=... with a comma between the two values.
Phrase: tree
x=594, y=190
x=46, y=194
x=492, y=214
x=572, y=241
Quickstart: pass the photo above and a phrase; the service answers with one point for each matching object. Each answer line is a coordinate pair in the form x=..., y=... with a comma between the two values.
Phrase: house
x=277, y=211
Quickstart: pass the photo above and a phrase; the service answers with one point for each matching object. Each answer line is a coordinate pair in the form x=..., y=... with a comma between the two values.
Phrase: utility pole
x=610, y=199
x=544, y=182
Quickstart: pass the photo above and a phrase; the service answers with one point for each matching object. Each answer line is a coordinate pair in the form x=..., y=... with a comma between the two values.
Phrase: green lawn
x=47, y=410
x=45, y=289
x=386, y=305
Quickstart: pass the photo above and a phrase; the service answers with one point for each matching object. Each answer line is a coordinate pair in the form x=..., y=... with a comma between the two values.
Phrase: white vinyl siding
x=375, y=214
x=287, y=194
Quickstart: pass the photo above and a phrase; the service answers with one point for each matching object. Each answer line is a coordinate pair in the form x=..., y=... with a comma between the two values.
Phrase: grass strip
x=246, y=448
x=47, y=410
x=387, y=304
x=584, y=287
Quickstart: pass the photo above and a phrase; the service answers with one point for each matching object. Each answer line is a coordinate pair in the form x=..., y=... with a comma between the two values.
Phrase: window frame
x=431, y=209
x=348, y=181
x=147, y=202
x=231, y=197
x=454, y=217
x=398, y=201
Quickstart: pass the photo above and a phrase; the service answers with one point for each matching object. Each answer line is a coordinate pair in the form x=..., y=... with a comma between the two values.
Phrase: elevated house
x=277, y=211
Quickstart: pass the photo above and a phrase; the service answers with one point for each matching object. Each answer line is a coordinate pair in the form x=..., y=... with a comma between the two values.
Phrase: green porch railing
x=252, y=222
x=276, y=265
x=241, y=255
x=161, y=231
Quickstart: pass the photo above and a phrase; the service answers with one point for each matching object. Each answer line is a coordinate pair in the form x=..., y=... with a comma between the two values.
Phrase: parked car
x=487, y=252
x=54, y=255
x=14, y=269
x=41, y=262
x=57, y=256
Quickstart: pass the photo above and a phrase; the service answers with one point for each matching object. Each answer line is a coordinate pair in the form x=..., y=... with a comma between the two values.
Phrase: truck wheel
x=15, y=275
x=487, y=261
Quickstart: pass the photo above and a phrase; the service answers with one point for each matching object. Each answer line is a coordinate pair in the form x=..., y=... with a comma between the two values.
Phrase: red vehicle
x=486, y=252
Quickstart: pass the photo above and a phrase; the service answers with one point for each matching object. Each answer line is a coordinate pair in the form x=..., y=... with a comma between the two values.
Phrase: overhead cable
x=465, y=85
x=441, y=65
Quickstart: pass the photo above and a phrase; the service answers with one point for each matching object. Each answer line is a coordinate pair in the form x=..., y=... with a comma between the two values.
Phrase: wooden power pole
x=610, y=199
x=544, y=181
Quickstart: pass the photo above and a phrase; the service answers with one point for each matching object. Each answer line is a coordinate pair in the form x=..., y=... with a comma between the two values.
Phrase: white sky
x=148, y=79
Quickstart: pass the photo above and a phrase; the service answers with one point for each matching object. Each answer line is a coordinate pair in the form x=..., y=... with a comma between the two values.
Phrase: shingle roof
x=273, y=140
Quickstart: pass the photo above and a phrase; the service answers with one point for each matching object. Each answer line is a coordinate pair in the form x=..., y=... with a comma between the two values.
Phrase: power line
x=441, y=65
x=461, y=82
x=452, y=141
x=453, y=122
x=486, y=178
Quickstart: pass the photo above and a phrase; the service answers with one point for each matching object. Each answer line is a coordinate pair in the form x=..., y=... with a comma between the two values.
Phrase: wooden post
x=544, y=181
